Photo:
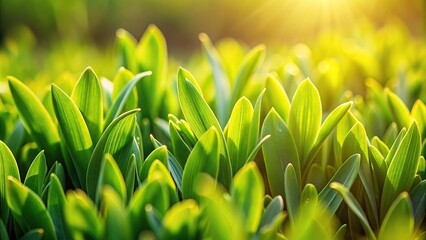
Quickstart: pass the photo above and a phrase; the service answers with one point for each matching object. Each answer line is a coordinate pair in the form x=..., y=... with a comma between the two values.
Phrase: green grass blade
x=36, y=119
x=402, y=169
x=271, y=212
x=3, y=232
x=305, y=117
x=8, y=167
x=33, y=234
x=121, y=100
x=398, y=109
x=354, y=207
x=159, y=153
x=395, y=146
x=56, y=202
x=221, y=81
x=250, y=64
x=238, y=136
x=247, y=192
x=125, y=50
x=152, y=56
x=111, y=176
x=418, y=198
x=87, y=95
x=292, y=193
x=346, y=176
x=204, y=158
x=81, y=216
x=28, y=209
x=116, y=140
x=276, y=97
x=181, y=149
x=278, y=152
x=74, y=130
x=419, y=113
x=181, y=221
x=117, y=225
x=34, y=179
x=399, y=221
x=201, y=118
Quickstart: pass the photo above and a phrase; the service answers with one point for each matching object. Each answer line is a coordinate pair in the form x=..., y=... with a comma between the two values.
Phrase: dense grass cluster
x=250, y=146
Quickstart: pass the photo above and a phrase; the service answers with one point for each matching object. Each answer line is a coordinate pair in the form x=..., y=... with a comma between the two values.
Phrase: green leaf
x=111, y=176
x=121, y=100
x=419, y=113
x=238, y=136
x=182, y=220
x=87, y=96
x=328, y=125
x=81, y=216
x=130, y=176
x=201, y=118
x=272, y=212
x=278, y=152
x=204, y=158
x=221, y=81
x=36, y=119
x=292, y=193
x=160, y=172
x=356, y=141
x=55, y=205
x=355, y=207
x=340, y=234
x=402, y=169
x=152, y=192
x=346, y=176
x=180, y=149
x=28, y=209
x=73, y=128
x=34, y=179
x=152, y=56
x=305, y=116
x=8, y=167
x=399, y=221
x=395, y=146
x=398, y=109
x=249, y=65
x=276, y=97
x=418, y=198
x=247, y=192
x=379, y=166
x=116, y=140
x=160, y=153
x=117, y=225
x=33, y=234
x=126, y=49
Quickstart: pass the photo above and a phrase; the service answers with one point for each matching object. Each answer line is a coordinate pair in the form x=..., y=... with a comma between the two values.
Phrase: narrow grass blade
x=116, y=140
x=87, y=95
x=159, y=153
x=126, y=49
x=249, y=65
x=81, y=216
x=278, y=152
x=221, y=81
x=74, y=130
x=402, y=169
x=398, y=109
x=418, y=198
x=121, y=100
x=305, y=116
x=34, y=179
x=355, y=208
x=271, y=212
x=204, y=158
x=276, y=97
x=117, y=225
x=247, y=191
x=36, y=119
x=28, y=209
x=399, y=221
x=111, y=176
x=292, y=193
x=152, y=56
x=238, y=136
x=8, y=167
x=182, y=220
x=56, y=202
x=346, y=176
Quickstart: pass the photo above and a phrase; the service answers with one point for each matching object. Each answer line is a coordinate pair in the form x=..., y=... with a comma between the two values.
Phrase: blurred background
x=252, y=21
x=54, y=40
